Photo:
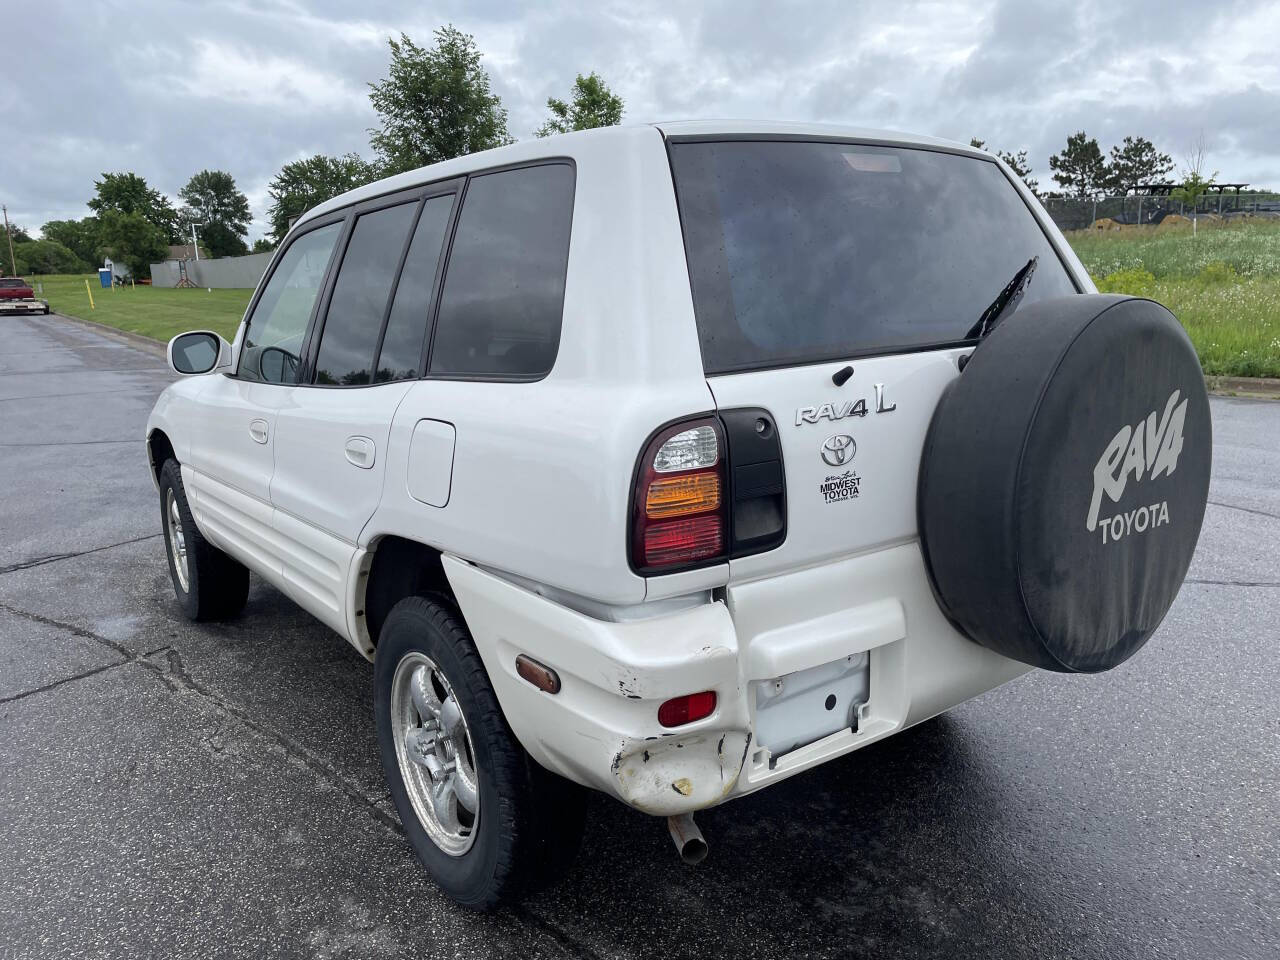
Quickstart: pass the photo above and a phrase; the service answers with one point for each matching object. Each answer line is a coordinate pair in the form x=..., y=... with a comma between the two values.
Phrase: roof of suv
x=548, y=147
x=769, y=128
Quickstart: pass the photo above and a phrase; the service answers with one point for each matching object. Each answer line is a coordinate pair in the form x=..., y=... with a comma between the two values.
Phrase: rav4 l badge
x=846, y=408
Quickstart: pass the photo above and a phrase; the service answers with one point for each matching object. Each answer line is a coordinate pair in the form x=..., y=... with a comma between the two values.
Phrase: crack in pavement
x=1235, y=583
x=70, y=443
x=175, y=676
x=54, y=684
x=1232, y=506
x=55, y=557
x=60, y=396
x=66, y=370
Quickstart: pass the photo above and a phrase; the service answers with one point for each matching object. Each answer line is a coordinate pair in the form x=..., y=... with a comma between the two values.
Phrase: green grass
x=1223, y=283
x=153, y=312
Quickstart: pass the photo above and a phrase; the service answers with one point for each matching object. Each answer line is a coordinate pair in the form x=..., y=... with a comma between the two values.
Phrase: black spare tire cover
x=1063, y=481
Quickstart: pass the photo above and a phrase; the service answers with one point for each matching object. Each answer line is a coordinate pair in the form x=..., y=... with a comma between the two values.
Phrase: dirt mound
x=1106, y=223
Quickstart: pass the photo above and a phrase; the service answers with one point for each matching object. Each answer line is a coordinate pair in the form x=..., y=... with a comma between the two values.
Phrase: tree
x=81, y=237
x=1080, y=167
x=132, y=239
x=435, y=104
x=48, y=256
x=1017, y=162
x=594, y=105
x=1136, y=162
x=1194, y=182
x=1020, y=165
x=220, y=210
x=303, y=184
x=129, y=193
x=262, y=245
x=18, y=235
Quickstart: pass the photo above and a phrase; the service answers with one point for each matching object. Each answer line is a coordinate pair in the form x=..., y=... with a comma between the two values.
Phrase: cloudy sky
x=165, y=88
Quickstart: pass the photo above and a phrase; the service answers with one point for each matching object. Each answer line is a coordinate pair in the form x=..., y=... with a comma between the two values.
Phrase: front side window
x=803, y=251
x=360, y=293
x=503, y=293
x=273, y=339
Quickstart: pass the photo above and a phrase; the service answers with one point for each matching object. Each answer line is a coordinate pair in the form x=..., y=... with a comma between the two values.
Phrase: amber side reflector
x=541, y=676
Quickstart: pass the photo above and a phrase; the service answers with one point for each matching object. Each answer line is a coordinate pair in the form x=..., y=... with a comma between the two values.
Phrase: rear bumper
x=786, y=636
x=23, y=306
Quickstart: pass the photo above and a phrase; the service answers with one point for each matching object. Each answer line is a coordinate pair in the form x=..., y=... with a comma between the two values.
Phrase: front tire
x=208, y=583
x=486, y=821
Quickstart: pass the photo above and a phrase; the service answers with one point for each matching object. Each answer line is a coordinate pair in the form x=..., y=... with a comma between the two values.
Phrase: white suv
x=671, y=461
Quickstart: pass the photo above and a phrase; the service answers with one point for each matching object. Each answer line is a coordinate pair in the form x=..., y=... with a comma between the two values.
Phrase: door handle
x=258, y=431
x=360, y=452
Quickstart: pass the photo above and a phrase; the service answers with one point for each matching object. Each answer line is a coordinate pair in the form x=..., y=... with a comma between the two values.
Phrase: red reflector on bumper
x=681, y=710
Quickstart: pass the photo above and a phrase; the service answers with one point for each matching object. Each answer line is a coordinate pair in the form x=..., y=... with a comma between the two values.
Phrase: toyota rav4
x=671, y=461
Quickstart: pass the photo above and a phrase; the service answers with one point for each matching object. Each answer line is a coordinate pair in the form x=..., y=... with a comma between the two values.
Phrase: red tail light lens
x=679, y=510
x=681, y=710
x=682, y=541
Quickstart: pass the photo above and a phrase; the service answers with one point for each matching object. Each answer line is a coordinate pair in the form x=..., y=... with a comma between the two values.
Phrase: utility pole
x=13, y=261
x=194, y=245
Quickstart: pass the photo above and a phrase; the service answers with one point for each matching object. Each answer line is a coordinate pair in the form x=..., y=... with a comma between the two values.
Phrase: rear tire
x=208, y=584
x=526, y=825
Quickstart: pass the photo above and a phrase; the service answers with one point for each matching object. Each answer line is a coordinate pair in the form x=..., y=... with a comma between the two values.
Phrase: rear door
x=331, y=433
x=835, y=285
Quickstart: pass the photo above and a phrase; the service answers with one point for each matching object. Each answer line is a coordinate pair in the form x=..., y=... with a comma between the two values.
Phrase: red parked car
x=16, y=296
x=15, y=288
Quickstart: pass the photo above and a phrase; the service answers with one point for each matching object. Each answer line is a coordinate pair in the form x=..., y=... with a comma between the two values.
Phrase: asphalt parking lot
x=172, y=789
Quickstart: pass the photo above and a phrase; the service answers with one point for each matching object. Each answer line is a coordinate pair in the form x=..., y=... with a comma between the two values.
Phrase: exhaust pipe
x=689, y=841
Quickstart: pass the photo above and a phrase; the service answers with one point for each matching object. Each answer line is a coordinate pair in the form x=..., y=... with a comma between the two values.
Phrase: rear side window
x=803, y=251
x=411, y=312
x=273, y=339
x=360, y=295
x=504, y=285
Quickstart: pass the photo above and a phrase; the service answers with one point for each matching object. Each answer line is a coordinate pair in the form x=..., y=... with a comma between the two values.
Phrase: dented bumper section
x=674, y=774
x=806, y=667
x=601, y=729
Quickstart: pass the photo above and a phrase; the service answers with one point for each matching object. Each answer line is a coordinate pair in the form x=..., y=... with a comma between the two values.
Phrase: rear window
x=8, y=282
x=504, y=285
x=801, y=251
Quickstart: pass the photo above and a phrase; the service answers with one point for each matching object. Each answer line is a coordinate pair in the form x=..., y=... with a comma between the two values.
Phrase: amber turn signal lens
x=539, y=674
x=677, y=496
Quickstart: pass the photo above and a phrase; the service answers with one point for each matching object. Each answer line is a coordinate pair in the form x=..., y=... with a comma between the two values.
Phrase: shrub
x=1218, y=272
x=1134, y=281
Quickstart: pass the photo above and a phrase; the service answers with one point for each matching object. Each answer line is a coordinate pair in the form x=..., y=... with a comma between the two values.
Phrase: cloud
x=227, y=74
x=248, y=85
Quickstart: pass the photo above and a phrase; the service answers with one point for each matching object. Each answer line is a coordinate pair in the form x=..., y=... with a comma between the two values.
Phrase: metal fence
x=1078, y=213
x=242, y=272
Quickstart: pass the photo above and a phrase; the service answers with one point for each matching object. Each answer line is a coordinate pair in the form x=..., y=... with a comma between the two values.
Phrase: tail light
x=708, y=489
x=680, y=502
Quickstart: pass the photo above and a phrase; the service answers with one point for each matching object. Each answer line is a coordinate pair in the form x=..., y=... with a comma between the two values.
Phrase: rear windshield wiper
x=1005, y=301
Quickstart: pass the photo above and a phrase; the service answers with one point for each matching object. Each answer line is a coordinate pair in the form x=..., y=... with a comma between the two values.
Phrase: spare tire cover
x=1063, y=481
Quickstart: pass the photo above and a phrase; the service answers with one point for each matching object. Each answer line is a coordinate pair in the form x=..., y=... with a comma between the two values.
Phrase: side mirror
x=198, y=352
x=278, y=365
